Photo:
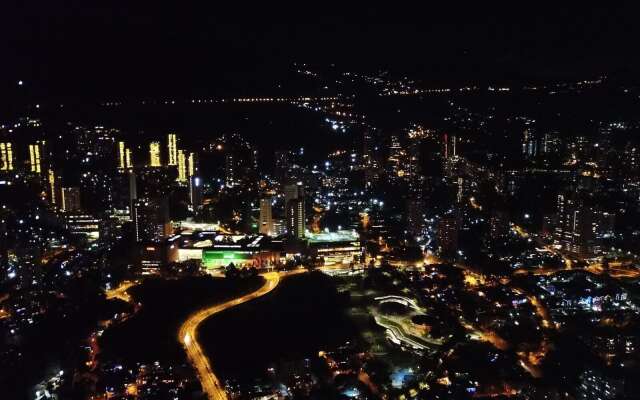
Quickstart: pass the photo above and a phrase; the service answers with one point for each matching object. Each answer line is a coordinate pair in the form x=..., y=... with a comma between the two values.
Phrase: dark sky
x=64, y=49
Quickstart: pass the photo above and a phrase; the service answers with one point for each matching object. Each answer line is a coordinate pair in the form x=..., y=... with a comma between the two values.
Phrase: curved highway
x=187, y=336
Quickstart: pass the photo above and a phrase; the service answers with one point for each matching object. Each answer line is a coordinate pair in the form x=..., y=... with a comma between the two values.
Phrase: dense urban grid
x=347, y=234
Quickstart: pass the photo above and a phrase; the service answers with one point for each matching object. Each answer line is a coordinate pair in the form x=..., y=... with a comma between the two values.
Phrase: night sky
x=96, y=51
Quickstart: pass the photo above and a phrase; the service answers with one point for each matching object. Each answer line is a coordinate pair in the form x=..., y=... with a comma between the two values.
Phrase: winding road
x=187, y=335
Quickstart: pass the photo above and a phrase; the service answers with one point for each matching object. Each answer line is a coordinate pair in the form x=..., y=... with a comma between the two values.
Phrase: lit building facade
x=172, y=144
x=154, y=154
x=266, y=217
x=6, y=156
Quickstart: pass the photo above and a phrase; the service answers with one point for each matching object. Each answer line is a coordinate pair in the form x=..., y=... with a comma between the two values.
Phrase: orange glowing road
x=187, y=335
x=121, y=291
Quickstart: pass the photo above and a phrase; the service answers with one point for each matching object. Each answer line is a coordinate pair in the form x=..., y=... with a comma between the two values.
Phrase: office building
x=151, y=219
x=581, y=226
x=70, y=201
x=266, y=217
x=295, y=218
x=293, y=191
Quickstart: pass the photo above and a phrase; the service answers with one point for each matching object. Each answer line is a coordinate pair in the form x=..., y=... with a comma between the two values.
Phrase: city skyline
x=359, y=203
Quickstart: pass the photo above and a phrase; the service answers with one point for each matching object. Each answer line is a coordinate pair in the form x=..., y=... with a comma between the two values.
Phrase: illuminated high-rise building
x=173, y=149
x=55, y=195
x=121, y=155
x=294, y=209
x=6, y=156
x=266, y=217
x=128, y=159
x=154, y=154
x=295, y=218
x=581, y=224
x=35, y=151
x=191, y=164
x=182, y=166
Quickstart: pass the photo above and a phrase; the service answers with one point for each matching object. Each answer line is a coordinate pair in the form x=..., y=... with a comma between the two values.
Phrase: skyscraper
x=154, y=154
x=35, y=151
x=195, y=191
x=173, y=149
x=70, y=201
x=191, y=165
x=296, y=218
x=121, y=155
x=580, y=224
x=54, y=188
x=151, y=217
x=239, y=163
x=294, y=209
x=182, y=167
x=293, y=191
x=266, y=218
x=6, y=156
x=128, y=159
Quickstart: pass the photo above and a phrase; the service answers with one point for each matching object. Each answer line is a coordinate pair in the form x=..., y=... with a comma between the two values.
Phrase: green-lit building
x=217, y=250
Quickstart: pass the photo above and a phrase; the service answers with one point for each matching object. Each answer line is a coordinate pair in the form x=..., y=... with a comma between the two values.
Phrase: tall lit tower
x=6, y=156
x=121, y=155
x=192, y=164
x=266, y=217
x=128, y=159
x=154, y=154
x=34, y=158
x=294, y=212
x=182, y=166
x=295, y=218
x=54, y=188
x=173, y=149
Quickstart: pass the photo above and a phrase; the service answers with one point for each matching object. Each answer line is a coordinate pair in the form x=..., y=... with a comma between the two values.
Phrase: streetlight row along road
x=187, y=335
